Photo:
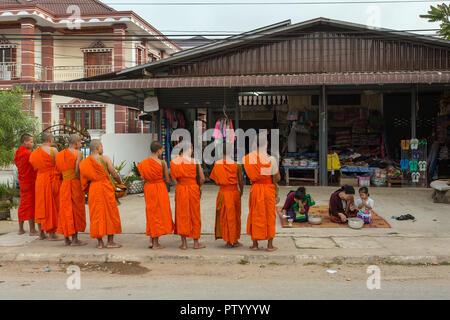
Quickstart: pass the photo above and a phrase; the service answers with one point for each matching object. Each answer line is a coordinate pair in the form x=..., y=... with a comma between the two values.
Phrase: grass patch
x=392, y=233
x=274, y=263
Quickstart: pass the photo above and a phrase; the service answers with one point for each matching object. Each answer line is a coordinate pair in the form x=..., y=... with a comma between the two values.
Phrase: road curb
x=223, y=259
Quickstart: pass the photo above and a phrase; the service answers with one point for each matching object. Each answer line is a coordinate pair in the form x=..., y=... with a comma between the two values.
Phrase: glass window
x=97, y=119
x=78, y=118
x=87, y=119
x=68, y=116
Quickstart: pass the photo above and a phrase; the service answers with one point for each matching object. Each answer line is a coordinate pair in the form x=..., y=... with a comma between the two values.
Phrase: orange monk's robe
x=72, y=212
x=157, y=202
x=103, y=211
x=261, y=217
x=46, y=190
x=27, y=180
x=187, y=198
x=228, y=202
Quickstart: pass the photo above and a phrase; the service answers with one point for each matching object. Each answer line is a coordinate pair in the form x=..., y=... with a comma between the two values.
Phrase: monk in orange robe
x=228, y=175
x=72, y=213
x=95, y=173
x=27, y=179
x=157, y=203
x=47, y=187
x=263, y=176
x=185, y=170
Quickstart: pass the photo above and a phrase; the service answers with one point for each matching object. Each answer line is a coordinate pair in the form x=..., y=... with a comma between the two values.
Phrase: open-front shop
x=349, y=101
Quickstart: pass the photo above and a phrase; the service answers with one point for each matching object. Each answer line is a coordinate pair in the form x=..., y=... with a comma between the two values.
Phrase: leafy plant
x=13, y=123
x=136, y=172
x=6, y=196
x=440, y=13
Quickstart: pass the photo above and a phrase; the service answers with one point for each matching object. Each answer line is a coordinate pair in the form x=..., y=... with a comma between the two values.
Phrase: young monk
x=188, y=223
x=47, y=187
x=228, y=175
x=95, y=175
x=72, y=213
x=342, y=205
x=263, y=176
x=27, y=179
x=157, y=203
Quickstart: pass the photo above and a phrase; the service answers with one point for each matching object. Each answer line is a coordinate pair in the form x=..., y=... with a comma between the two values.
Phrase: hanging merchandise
x=414, y=144
x=163, y=138
x=404, y=164
x=292, y=140
x=222, y=127
x=422, y=165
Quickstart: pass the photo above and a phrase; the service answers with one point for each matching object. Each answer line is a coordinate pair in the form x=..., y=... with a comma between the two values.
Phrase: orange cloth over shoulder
x=157, y=202
x=187, y=198
x=46, y=190
x=103, y=211
x=72, y=213
x=27, y=180
x=228, y=203
x=261, y=217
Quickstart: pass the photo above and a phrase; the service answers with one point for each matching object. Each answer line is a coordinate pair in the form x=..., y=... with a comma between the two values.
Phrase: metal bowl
x=355, y=223
x=315, y=219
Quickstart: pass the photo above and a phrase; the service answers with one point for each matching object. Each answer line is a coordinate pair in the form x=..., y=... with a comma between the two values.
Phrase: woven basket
x=136, y=186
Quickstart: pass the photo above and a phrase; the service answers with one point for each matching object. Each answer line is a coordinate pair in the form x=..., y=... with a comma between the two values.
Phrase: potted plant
x=7, y=202
x=135, y=181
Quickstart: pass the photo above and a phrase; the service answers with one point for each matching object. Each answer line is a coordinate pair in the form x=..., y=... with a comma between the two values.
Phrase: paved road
x=207, y=281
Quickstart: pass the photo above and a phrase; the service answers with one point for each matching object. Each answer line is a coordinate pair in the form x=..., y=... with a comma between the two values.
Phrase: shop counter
x=287, y=170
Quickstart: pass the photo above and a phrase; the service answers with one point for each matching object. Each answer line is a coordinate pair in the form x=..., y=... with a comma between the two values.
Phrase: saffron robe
x=157, y=202
x=104, y=215
x=261, y=217
x=27, y=180
x=228, y=202
x=187, y=198
x=46, y=190
x=72, y=212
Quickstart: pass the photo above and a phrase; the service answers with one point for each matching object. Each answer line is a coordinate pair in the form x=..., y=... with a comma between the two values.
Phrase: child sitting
x=365, y=205
x=297, y=205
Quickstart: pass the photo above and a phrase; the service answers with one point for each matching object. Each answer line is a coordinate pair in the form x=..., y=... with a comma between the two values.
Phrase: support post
x=323, y=137
x=237, y=111
x=413, y=113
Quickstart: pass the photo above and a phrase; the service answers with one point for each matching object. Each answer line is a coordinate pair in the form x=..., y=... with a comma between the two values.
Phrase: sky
x=174, y=19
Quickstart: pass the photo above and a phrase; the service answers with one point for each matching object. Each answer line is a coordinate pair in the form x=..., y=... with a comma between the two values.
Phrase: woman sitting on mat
x=342, y=205
x=297, y=205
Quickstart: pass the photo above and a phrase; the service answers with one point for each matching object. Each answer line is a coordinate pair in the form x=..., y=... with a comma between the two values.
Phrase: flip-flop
x=410, y=217
x=413, y=165
x=404, y=163
x=414, y=143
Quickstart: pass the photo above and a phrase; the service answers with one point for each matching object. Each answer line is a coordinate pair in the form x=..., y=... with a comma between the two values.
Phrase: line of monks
x=53, y=186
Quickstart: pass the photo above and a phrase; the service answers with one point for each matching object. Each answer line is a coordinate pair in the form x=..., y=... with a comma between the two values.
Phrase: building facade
x=56, y=41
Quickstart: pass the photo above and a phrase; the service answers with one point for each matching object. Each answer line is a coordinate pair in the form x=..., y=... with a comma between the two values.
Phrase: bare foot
x=237, y=244
x=21, y=232
x=271, y=248
x=254, y=248
x=150, y=245
x=78, y=243
x=42, y=236
x=183, y=247
x=54, y=237
x=158, y=246
x=67, y=242
x=113, y=245
x=229, y=245
x=34, y=233
x=101, y=245
x=199, y=246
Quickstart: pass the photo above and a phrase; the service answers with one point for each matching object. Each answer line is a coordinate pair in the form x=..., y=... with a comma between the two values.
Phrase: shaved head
x=95, y=144
x=25, y=137
x=74, y=138
x=47, y=137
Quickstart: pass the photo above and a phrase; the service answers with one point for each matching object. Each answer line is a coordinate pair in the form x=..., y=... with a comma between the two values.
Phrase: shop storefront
x=349, y=101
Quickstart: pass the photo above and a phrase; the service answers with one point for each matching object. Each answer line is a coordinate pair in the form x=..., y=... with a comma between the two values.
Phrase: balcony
x=12, y=71
x=9, y=71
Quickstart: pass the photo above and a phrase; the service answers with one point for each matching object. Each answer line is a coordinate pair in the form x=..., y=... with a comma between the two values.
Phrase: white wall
x=129, y=147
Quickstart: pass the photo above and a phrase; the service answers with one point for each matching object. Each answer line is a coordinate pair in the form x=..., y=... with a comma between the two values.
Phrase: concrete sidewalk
x=291, y=250
x=422, y=241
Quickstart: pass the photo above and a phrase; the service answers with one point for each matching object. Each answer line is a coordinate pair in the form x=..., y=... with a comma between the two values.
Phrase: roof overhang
x=133, y=92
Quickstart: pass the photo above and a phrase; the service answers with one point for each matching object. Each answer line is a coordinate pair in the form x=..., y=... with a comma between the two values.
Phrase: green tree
x=13, y=123
x=440, y=13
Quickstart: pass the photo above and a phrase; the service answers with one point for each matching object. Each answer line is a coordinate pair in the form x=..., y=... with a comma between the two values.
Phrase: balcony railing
x=11, y=71
x=65, y=73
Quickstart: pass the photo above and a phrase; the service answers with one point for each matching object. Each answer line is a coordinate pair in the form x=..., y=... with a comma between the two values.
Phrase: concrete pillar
x=323, y=137
x=46, y=110
x=47, y=53
x=120, y=112
x=27, y=26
